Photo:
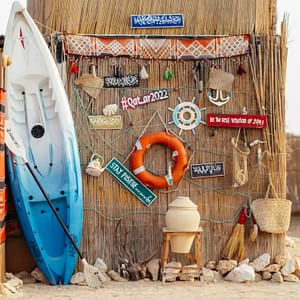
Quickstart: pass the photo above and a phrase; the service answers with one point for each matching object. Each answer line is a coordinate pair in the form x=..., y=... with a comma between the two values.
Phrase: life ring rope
x=179, y=155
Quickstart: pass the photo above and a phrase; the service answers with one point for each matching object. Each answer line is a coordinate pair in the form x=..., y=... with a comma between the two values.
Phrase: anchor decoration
x=186, y=115
x=219, y=83
x=219, y=100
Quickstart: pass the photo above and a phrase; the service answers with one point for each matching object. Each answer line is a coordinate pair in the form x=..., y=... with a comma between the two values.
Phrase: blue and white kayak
x=38, y=110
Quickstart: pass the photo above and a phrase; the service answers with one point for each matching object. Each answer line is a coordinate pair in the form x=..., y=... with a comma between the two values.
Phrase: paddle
x=15, y=145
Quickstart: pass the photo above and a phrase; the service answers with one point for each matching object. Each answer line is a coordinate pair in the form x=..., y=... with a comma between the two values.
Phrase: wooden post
x=2, y=167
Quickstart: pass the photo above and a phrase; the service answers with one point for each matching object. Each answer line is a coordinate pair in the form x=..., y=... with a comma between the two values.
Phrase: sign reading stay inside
x=127, y=179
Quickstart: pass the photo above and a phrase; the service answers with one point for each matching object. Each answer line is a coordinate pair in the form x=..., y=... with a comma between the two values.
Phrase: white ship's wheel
x=186, y=115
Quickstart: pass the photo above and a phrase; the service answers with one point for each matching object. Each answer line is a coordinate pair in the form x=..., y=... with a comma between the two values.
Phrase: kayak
x=38, y=110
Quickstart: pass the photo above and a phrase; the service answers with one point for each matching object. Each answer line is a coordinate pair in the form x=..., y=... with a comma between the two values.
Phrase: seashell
x=110, y=109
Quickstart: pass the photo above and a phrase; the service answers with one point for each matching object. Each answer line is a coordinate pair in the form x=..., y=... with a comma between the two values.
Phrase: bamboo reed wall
x=260, y=90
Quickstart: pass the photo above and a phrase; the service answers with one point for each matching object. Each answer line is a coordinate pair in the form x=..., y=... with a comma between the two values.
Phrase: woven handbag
x=272, y=215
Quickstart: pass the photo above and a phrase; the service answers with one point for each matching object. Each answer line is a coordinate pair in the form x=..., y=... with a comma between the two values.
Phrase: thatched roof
x=201, y=17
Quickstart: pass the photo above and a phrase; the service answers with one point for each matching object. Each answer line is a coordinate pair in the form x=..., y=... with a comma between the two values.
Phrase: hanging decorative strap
x=240, y=162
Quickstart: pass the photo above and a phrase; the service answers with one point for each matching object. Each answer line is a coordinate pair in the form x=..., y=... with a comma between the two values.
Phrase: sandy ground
x=147, y=289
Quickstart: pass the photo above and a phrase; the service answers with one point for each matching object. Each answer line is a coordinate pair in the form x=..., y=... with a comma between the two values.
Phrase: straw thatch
x=260, y=90
x=201, y=17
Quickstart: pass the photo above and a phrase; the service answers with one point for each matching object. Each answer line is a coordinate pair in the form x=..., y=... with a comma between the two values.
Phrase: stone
x=297, y=267
x=289, y=242
x=242, y=273
x=172, y=270
x=78, y=279
x=4, y=291
x=38, y=275
x=153, y=267
x=244, y=261
x=273, y=268
x=258, y=277
x=261, y=262
x=280, y=260
x=13, y=283
x=217, y=276
x=100, y=265
x=291, y=278
x=186, y=277
x=116, y=276
x=25, y=277
x=266, y=275
x=103, y=276
x=212, y=265
x=225, y=266
x=288, y=268
x=189, y=272
x=208, y=274
x=277, y=278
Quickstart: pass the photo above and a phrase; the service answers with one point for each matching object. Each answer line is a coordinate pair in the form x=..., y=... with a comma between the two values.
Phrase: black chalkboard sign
x=205, y=170
x=120, y=82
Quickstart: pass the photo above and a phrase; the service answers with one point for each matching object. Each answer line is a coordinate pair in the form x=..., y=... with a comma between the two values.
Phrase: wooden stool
x=167, y=234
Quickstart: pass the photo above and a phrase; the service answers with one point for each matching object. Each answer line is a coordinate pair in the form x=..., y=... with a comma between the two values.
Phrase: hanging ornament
x=143, y=73
x=118, y=73
x=93, y=70
x=74, y=68
x=168, y=74
x=241, y=69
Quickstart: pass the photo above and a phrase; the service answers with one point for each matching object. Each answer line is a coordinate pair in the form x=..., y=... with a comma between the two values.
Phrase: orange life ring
x=179, y=155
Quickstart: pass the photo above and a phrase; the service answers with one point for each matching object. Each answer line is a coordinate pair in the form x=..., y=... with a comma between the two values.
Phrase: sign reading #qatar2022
x=154, y=96
x=157, y=20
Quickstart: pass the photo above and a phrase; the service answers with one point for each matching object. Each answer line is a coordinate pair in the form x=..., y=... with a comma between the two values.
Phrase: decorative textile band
x=158, y=48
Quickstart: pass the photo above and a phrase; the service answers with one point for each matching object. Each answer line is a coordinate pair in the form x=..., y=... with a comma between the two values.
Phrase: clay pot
x=182, y=215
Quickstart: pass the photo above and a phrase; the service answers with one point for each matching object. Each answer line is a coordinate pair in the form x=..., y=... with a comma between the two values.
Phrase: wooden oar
x=15, y=145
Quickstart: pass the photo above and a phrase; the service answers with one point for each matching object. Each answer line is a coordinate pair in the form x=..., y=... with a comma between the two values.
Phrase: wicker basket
x=272, y=215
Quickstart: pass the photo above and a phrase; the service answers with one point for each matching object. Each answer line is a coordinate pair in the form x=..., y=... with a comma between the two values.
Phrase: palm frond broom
x=235, y=246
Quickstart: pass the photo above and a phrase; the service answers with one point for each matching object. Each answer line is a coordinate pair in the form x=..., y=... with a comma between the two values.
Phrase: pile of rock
x=103, y=274
x=262, y=268
x=175, y=271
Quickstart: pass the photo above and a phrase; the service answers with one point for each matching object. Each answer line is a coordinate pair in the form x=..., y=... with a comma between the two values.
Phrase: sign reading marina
x=127, y=179
x=204, y=170
x=157, y=20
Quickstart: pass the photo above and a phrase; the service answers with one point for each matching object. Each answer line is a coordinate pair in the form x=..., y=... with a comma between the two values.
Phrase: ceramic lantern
x=182, y=215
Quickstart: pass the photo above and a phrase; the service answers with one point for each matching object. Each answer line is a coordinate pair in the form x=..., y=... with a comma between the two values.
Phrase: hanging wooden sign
x=157, y=21
x=237, y=120
x=105, y=122
x=205, y=170
x=120, y=82
x=154, y=96
x=128, y=180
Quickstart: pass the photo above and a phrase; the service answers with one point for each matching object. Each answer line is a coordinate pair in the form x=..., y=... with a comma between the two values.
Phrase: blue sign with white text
x=156, y=21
